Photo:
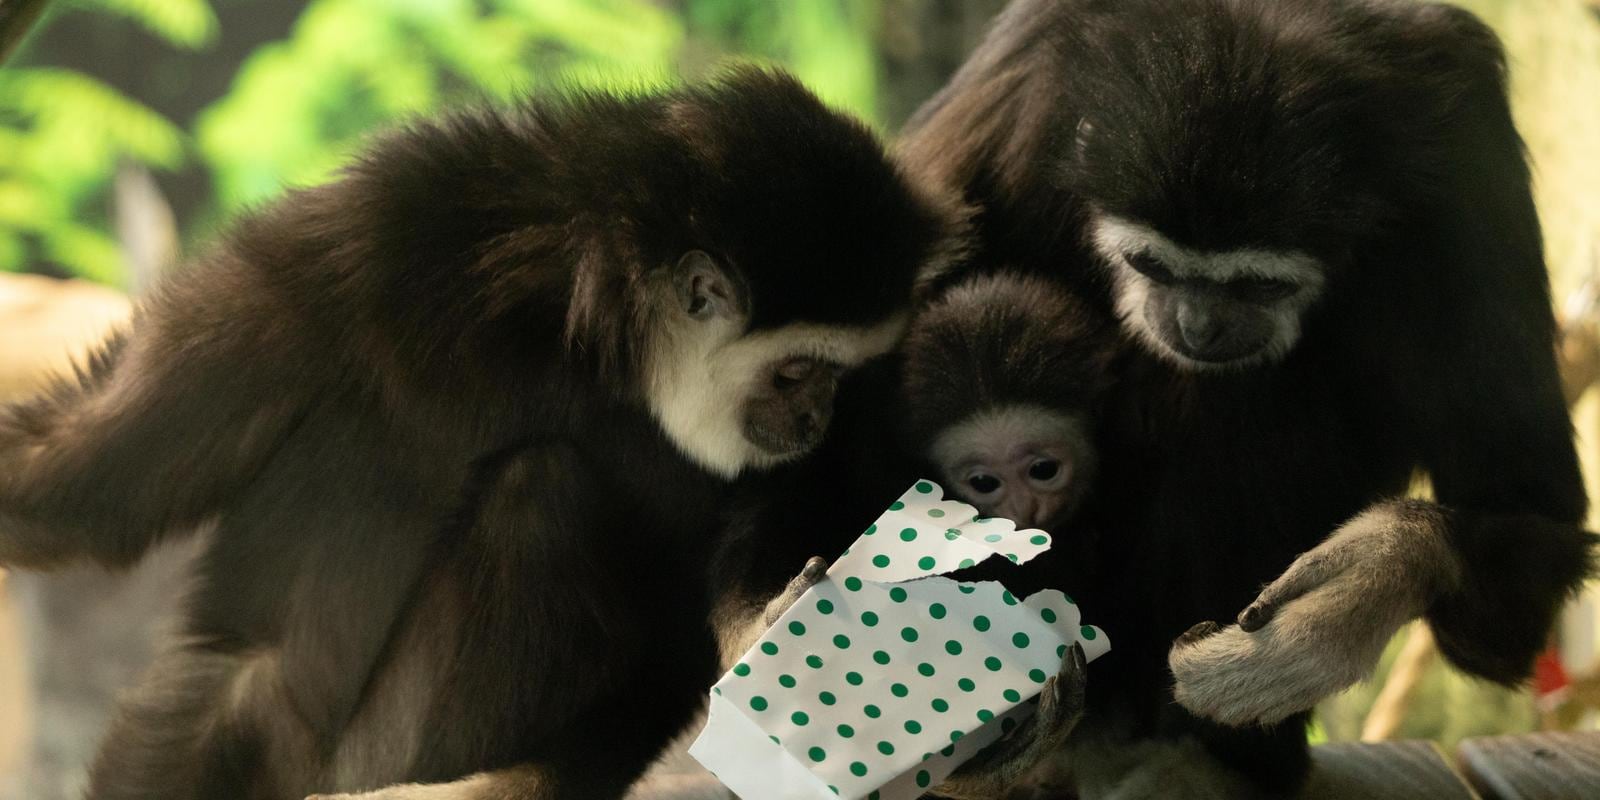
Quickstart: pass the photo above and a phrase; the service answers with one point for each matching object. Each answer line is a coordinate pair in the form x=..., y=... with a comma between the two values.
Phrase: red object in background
x=1549, y=676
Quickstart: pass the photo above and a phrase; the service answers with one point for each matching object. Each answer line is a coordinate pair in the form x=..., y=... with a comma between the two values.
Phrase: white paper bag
x=884, y=678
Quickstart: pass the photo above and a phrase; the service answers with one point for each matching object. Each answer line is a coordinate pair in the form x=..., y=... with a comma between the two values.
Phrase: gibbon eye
x=984, y=484
x=1151, y=267
x=1262, y=290
x=793, y=371
x=1044, y=469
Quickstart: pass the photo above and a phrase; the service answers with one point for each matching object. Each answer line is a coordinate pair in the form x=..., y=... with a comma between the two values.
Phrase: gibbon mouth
x=1212, y=359
x=1217, y=356
x=1196, y=366
x=780, y=444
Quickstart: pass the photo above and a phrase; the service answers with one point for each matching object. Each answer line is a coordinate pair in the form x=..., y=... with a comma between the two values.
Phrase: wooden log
x=1535, y=766
x=1387, y=771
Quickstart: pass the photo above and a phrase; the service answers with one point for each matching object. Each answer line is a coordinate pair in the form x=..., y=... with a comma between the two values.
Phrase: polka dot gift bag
x=884, y=677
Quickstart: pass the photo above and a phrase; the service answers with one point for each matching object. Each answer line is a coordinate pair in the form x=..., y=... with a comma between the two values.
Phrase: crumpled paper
x=884, y=678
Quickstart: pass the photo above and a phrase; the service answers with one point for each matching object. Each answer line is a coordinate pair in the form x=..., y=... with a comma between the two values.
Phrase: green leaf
x=189, y=24
x=22, y=205
x=88, y=118
x=87, y=252
x=13, y=254
x=299, y=107
x=831, y=45
x=621, y=33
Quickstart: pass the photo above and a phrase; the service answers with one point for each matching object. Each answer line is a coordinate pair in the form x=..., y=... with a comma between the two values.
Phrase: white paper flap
x=923, y=534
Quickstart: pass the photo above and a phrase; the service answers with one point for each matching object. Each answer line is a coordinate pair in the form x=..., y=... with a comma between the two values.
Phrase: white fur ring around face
x=885, y=676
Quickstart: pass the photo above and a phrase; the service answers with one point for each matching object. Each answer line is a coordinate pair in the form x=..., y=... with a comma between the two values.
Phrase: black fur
x=1374, y=136
x=450, y=331
x=1001, y=341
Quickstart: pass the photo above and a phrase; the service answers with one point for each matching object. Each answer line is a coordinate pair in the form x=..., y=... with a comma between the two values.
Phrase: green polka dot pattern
x=923, y=534
x=879, y=687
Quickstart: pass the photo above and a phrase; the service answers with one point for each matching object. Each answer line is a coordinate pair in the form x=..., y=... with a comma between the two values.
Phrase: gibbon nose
x=1020, y=506
x=793, y=415
x=805, y=434
x=1200, y=329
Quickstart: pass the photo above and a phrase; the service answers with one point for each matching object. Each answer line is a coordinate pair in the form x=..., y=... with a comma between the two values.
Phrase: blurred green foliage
x=831, y=45
x=187, y=23
x=1447, y=705
x=61, y=137
x=297, y=107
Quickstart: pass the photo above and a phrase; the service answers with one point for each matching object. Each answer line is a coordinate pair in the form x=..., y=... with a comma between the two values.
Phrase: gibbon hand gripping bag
x=884, y=678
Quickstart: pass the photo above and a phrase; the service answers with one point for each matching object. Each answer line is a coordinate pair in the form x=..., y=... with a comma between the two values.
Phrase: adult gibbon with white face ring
x=1313, y=220
x=461, y=424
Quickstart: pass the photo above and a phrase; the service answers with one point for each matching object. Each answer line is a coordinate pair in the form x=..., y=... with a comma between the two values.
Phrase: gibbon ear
x=705, y=290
